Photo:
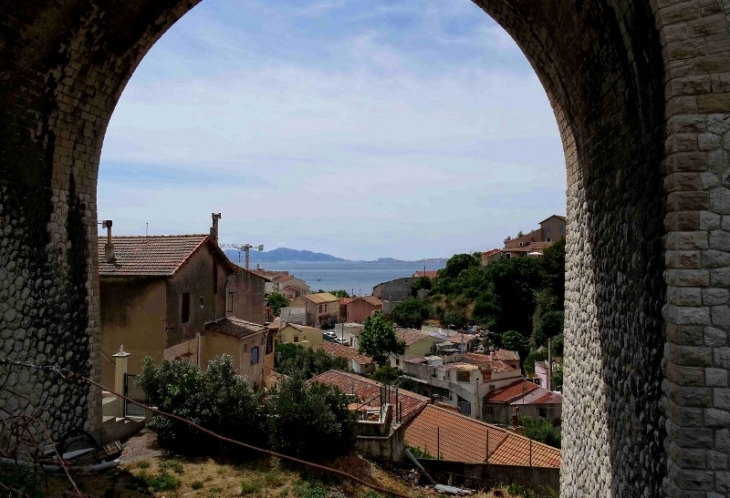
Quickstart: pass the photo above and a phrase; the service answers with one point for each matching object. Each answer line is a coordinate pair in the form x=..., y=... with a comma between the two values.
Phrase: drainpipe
x=109, y=256
x=120, y=378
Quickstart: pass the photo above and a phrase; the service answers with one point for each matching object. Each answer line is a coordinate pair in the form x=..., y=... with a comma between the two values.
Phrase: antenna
x=146, y=229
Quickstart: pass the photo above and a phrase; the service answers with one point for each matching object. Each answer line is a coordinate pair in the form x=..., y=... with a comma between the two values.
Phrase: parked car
x=341, y=340
x=331, y=334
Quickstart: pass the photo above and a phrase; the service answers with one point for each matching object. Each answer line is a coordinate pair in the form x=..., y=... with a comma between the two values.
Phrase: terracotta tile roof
x=366, y=390
x=158, y=256
x=234, y=327
x=321, y=298
x=476, y=358
x=540, y=396
x=346, y=300
x=482, y=360
x=460, y=338
x=553, y=216
x=464, y=439
x=427, y=273
x=510, y=392
x=335, y=349
x=410, y=336
x=372, y=300
x=490, y=253
x=458, y=365
x=505, y=354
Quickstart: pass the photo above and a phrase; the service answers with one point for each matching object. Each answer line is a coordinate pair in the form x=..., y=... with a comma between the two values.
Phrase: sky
x=409, y=129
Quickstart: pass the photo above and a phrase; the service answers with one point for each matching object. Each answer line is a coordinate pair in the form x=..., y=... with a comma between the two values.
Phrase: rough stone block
x=720, y=201
x=721, y=317
x=714, y=258
x=689, y=201
x=718, y=123
x=714, y=102
x=685, y=296
x=717, y=460
x=718, y=161
x=722, y=441
x=683, y=260
x=721, y=399
x=708, y=141
x=716, y=377
x=721, y=358
x=688, y=278
x=713, y=297
x=686, y=123
x=709, y=220
x=720, y=277
x=689, y=335
x=708, y=180
x=687, y=161
x=715, y=337
x=686, y=315
x=683, y=241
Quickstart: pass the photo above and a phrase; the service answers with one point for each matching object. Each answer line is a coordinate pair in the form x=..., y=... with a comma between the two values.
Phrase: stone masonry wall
x=641, y=94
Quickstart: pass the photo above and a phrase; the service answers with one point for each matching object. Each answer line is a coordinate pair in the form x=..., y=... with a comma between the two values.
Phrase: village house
x=292, y=292
x=542, y=374
x=360, y=308
x=426, y=273
x=457, y=438
x=531, y=245
x=247, y=343
x=417, y=343
x=300, y=334
x=158, y=291
x=524, y=398
x=246, y=295
x=296, y=286
x=360, y=364
x=321, y=309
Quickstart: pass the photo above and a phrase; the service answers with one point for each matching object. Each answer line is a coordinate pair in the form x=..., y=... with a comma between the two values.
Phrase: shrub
x=250, y=487
x=410, y=313
x=541, y=430
x=294, y=359
x=196, y=485
x=307, y=415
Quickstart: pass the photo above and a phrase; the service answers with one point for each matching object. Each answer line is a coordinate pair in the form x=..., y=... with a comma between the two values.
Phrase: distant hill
x=284, y=255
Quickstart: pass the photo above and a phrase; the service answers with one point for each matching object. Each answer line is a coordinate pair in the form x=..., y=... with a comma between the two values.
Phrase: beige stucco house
x=300, y=334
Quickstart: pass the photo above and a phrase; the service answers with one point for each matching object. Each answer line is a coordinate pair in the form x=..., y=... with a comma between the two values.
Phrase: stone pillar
x=120, y=372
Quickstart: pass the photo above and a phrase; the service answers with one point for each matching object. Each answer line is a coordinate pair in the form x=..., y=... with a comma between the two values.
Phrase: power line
x=68, y=375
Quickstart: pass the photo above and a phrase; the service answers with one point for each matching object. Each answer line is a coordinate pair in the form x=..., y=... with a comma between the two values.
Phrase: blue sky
x=407, y=129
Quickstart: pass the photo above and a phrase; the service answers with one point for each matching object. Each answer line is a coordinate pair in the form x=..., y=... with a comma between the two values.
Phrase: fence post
x=120, y=378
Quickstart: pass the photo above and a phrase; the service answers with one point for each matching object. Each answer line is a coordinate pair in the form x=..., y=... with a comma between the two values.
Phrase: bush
x=294, y=359
x=386, y=374
x=541, y=430
x=454, y=320
x=308, y=415
x=410, y=313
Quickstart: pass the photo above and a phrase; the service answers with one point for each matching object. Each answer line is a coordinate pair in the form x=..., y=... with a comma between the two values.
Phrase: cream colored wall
x=310, y=335
x=421, y=348
x=214, y=345
x=133, y=315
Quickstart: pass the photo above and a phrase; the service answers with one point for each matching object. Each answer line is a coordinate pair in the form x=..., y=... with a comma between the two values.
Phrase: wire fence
x=25, y=439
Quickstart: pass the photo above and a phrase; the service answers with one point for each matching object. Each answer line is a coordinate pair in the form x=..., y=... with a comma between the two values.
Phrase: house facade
x=300, y=334
x=156, y=292
x=247, y=343
x=360, y=308
x=531, y=245
x=391, y=293
x=521, y=397
x=246, y=295
x=321, y=309
x=418, y=345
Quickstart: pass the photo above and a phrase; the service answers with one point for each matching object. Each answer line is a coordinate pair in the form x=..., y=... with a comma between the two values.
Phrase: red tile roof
x=459, y=438
x=234, y=327
x=410, y=336
x=154, y=256
x=510, y=392
x=427, y=273
x=491, y=252
x=335, y=349
x=366, y=390
x=506, y=355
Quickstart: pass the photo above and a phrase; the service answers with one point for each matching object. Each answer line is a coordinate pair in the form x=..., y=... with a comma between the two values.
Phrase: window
x=543, y=412
x=185, y=308
x=254, y=355
x=202, y=303
x=520, y=244
x=397, y=362
x=549, y=239
x=489, y=410
x=463, y=376
x=491, y=387
x=508, y=255
x=296, y=338
x=560, y=228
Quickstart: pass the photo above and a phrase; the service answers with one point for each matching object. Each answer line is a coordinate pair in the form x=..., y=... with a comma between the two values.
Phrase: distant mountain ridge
x=285, y=255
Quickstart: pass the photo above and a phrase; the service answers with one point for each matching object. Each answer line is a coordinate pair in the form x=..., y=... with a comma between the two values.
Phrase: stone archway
x=641, y=92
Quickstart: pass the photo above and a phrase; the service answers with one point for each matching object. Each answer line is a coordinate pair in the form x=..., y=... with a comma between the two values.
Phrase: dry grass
x=261, y=478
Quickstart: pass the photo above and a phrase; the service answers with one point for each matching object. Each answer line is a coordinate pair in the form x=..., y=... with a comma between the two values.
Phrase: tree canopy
x=378, y=340
x=410, y=313
x=294, y=359
x=276, y=301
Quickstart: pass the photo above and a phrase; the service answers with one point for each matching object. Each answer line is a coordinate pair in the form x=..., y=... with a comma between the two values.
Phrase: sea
x=353, y=276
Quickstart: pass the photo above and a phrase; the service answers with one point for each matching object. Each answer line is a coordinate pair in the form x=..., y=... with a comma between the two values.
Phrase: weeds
x=160, y=482
x=143, y=464
x=196, y=485
x=175, y=465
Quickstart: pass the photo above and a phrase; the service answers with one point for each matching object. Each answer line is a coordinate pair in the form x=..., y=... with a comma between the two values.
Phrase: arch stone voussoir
x=641, y=94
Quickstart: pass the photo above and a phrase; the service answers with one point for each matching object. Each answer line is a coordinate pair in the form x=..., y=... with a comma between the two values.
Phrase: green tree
x=276, y=301
x=386, y=374
x=341, y=293
x=308, y=415
x=556, y=380
x=294, y=359
x=541, y=430
x=514, y=341
x=552, y=271
x=487, y=309
x=378, y=340
x=514, y=282
x=550, y=325
x=420, y=283
x=410, y=313
x=455, y=320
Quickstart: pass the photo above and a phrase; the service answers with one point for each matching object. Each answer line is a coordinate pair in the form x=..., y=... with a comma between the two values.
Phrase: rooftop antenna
x=146, y=229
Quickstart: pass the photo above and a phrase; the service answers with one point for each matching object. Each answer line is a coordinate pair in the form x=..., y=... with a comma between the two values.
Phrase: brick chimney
x=214, y=227
x=109, y=256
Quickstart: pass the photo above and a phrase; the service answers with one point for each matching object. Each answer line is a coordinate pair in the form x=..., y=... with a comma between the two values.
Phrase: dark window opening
x=185, y=308
x=543, y=412
x=254, y=355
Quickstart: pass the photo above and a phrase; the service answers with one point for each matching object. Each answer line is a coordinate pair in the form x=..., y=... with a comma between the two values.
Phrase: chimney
x=214, y=228
x=491, y=356
x=109, y=256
